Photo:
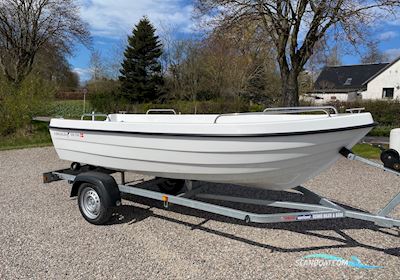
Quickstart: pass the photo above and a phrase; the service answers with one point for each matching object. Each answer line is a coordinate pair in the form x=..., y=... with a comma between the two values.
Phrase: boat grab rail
x=161, y=110
x=93, y=115
x=355, y=110
x=289, y=110
x=285, y=110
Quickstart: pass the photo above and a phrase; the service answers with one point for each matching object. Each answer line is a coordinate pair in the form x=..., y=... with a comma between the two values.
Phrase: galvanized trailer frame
x=321, y=208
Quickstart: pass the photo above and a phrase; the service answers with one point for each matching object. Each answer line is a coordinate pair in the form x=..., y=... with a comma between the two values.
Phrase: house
x=357, y=82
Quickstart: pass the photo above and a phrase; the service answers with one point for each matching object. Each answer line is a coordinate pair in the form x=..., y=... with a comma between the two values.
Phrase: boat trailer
x=99, y=195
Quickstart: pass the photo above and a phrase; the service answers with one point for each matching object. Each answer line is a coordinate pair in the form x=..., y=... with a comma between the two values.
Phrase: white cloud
x=116, y=18
x=385, y=36
x=84, y=73
x=393, y=53
x=393, y=21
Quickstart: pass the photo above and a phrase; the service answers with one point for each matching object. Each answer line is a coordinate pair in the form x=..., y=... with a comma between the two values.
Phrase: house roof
x=348, y=77
x=380, y=71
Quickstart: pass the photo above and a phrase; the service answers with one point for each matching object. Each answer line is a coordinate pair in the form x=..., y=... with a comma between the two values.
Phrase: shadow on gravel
x=134, y=214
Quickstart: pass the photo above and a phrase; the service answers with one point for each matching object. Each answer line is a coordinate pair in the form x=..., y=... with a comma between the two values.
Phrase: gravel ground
x=43, y=235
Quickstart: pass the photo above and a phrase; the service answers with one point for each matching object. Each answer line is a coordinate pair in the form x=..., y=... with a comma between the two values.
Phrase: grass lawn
x=367, y=151
x=68, y=108
x=39, y=137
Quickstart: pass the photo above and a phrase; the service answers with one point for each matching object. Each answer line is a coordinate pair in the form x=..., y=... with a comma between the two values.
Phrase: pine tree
x=141, y=77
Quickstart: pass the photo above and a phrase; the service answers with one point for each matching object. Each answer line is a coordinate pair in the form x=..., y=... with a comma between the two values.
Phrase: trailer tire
x=93, y=203
x=171, y=186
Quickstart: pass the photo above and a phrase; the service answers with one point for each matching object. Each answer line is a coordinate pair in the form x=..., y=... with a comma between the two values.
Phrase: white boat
x=274, y=149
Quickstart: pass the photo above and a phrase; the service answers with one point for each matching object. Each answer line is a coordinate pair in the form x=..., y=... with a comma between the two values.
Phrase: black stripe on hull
x=220, y=135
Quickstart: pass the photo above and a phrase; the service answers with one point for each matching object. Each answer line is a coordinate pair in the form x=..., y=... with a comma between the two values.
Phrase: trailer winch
x=391, y=156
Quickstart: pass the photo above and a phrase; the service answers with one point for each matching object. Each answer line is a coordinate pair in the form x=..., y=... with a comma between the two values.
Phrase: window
x=333, y=97
x=348, y=82
x=388, y=93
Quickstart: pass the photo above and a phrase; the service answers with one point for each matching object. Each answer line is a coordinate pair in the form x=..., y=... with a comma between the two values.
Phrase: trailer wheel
x=91, y=202
x=171, y=186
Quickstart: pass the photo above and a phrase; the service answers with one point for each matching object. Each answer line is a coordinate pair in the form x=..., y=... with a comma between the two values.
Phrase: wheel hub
x=90, y=203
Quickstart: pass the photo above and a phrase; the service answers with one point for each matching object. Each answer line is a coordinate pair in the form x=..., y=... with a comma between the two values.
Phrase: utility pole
x=84, y=90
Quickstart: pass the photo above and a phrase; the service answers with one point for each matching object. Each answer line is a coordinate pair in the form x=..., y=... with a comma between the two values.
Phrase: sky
x=111, y=21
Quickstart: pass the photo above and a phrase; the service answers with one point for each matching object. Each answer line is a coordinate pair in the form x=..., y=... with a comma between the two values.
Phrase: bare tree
x=97, y=67
x=114, y=57
x=232, y=66
x=333, y=57
x=296, y=26
x=373, y=54
x=26, y=26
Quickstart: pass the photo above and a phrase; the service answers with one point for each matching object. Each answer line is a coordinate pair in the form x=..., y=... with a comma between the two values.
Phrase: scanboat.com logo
x=320, y=260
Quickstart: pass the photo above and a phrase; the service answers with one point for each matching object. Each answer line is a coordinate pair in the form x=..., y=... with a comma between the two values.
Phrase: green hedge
x=385, y=113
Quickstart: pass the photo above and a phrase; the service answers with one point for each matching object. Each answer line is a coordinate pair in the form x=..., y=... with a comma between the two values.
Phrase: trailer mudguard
x=105, y=181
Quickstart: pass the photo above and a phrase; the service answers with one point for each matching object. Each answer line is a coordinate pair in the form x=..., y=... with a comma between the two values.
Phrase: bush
x=381, y=131
x=103, y=101
x=20, y=103
x=104, y=96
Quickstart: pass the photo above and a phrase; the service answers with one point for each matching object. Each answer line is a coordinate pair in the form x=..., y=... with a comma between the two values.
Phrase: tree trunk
x=290, y=89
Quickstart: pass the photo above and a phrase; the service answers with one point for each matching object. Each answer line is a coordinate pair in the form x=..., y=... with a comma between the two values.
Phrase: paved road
x=43, y=236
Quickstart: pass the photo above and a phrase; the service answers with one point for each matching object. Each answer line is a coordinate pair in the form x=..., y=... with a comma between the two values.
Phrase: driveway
x=43, y=235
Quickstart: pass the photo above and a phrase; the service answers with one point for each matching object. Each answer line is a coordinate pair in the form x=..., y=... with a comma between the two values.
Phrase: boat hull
x=269, y=162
